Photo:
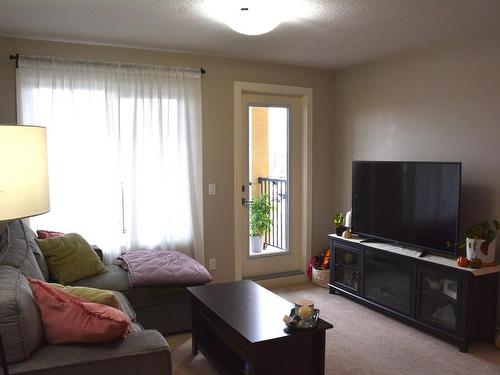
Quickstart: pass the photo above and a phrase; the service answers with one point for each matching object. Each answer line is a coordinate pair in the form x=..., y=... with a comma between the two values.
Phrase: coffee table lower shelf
x=211, y=345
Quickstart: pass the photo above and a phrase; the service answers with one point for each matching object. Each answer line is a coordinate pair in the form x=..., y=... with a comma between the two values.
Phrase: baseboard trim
x=280, y=279
x=274, y=275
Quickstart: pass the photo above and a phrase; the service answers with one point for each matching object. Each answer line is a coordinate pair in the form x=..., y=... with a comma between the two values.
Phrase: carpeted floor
x=364, y=341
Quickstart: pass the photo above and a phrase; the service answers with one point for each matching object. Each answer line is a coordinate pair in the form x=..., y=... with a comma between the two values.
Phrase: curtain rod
x=16, y=57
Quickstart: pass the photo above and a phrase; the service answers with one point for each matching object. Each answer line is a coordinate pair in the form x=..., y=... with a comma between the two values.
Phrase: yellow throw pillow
x=104, y=297
x=70, y=258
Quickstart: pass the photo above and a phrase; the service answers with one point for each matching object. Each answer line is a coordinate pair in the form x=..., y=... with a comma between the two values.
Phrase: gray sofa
x=164, y=308
x=141, y=351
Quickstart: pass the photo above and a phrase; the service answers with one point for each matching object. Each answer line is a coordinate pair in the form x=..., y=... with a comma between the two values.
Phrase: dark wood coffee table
x=239, y=328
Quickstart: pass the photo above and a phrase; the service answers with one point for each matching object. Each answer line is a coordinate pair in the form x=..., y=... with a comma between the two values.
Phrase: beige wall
x=440, y=103
x=217, y=97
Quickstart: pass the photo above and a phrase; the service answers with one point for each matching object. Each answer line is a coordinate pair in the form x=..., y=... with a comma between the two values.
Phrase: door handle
x=244, y=202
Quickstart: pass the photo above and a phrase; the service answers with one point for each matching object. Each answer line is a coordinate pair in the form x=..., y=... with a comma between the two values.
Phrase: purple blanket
x=162, y=267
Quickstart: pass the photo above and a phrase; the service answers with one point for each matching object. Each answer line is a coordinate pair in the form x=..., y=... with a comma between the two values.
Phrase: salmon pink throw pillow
x=43, y=234
x=69, y=319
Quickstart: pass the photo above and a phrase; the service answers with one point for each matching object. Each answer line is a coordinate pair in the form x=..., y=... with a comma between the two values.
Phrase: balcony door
x=271, y=190
x=268, y=147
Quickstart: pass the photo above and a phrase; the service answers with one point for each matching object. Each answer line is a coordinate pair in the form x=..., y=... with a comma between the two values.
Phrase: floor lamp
x=24, y=186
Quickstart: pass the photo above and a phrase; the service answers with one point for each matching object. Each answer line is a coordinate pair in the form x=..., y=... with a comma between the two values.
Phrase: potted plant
x=260, y=221
x=480, y=241
x=318, y=269
x=338, y=221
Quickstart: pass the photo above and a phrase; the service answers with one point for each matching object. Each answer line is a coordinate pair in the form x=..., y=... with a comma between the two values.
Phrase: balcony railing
x=277, y=190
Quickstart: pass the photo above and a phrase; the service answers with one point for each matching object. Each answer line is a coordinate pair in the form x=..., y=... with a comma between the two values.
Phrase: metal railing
x=277, y=190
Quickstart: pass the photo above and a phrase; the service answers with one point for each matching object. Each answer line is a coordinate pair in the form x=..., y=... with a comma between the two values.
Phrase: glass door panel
x=438, y=299
x=268, y=177
x=346, y=270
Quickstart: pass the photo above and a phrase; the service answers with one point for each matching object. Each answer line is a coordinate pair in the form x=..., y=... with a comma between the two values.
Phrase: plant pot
x=340, y=230
x=478, y=249
x=320, y=277
x=256, y=244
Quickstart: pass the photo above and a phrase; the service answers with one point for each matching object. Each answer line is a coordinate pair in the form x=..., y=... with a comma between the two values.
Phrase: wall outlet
x=212, y=264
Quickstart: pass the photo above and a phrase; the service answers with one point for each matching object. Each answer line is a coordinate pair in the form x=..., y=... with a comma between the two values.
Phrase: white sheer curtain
x=124, y=144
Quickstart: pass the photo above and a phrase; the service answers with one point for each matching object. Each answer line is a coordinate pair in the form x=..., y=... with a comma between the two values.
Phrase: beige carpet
x=364, y=341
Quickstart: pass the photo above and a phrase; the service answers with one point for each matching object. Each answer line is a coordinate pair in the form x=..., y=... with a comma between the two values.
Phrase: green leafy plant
x=338, y=219
x=480, y=231
x=483, y=231
x=260, y=215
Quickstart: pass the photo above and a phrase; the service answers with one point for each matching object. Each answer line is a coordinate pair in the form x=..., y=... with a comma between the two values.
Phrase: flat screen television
x=411, y=203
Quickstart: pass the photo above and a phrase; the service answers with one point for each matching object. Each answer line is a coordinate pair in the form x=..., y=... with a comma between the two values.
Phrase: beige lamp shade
x=24, y=184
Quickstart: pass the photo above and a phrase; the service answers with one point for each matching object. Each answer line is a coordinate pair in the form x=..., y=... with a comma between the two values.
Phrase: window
x=124, y=144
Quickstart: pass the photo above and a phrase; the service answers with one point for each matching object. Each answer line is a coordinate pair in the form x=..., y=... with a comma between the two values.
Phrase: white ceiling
x=331, y=34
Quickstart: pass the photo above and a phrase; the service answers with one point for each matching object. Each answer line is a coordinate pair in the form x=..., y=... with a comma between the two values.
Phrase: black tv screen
x=413, y=203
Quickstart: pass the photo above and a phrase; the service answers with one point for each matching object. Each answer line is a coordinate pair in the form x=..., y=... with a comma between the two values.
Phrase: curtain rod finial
x=15, y=57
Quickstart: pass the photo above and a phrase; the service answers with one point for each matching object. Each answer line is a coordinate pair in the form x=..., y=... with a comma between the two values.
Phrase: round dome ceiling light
x=254, y=19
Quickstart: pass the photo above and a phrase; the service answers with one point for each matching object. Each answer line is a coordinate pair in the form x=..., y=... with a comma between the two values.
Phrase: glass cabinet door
x=437, y=298
x=346, y=268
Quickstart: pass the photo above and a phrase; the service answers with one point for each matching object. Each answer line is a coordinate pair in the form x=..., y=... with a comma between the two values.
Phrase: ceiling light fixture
x=254, y=17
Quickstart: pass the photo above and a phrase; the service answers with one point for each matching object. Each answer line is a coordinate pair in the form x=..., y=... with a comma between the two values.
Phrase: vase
x=339, y=230
x=256, y=244
x=476, y=248
x=348, y=219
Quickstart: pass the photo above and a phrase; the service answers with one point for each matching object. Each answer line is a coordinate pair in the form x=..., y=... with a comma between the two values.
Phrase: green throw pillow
x=70, y=258
x=104, y=297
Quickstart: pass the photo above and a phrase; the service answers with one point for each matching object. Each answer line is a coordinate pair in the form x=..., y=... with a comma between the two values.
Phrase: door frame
x=306, y=97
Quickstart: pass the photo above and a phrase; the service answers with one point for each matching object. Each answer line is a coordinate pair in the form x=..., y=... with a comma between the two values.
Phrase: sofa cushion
x=115, y=279
x=20, y=322
x=142, y=352
x=105, y=297
x=153, y=304
x=70, y=258
x=16, y=251
x=124, y=305
x=136, y=327
x=39, y=257
x=69, y=319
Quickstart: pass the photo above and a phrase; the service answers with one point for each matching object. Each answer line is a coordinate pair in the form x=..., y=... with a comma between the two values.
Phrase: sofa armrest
x=144, y=352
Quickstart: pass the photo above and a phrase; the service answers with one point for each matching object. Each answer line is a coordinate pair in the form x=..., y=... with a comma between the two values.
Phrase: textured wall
x=440, y=103
x=217, y=97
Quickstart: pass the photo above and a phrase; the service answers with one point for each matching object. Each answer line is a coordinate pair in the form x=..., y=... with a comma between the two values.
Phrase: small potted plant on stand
x=338, y=221
x=480, y=241
x=260, y=222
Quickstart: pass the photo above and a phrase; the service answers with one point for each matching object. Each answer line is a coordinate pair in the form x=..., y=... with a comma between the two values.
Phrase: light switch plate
x=212, y=264
x=212, y=190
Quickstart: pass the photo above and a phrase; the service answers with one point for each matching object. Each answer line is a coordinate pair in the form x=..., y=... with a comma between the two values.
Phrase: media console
x=431, y=293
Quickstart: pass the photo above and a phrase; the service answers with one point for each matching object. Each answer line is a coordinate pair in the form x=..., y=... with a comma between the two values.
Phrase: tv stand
x=431, y=293
x=372, y=240
x=422, y=253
